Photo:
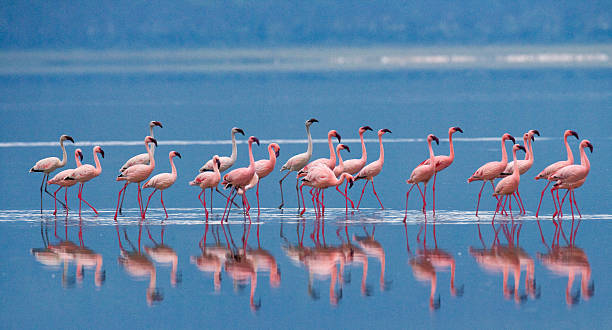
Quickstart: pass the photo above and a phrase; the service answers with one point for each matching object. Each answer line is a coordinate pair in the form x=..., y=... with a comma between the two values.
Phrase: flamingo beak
x=338, y=137
x=239, y=130
x=510, y=137
x=590, y=146
x=254, y=139
x=218, y=163
x=351, y=181
x=80, y=154
x=367, y=128
x=532, y=138
x=386, y=130
x=347, y=148
x=435, y=138
x=156, y=123
x=152, y=140
x=574, y=134
x=458, y=129
x=522, y=148
x=101, y=153
x=177, y=154
x=535, y=131
x=69, y=138
x=277, y=152
x=312, y=120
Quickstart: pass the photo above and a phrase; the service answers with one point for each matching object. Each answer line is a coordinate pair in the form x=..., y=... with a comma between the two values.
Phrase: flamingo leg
x=422, y=196
x=407, y=194
x=313, y=200
x=541, y=197
x=66, y=197
x=575, y=204
x=222, y=194
x=375, y=194
x=41, y=191
x=257, y=193
x=304, y=203
x=552, y=193
x=161, y=193
x=54, y=194
x=479, y=194
x=322, y=202
x=140, y=204
x=563, y=199
x=433, y=188
x=559, y=203
x=297, y=183
x=81, y=197
x=510, y=207
x=281, y=190
x=122, y=198
x=503, y=206
x=521, y=200
x=203, y=201
x=119, y=198
x=45, y=178
x=362, y=191
x=211, y=201
x=517, y=202
x=148, y=200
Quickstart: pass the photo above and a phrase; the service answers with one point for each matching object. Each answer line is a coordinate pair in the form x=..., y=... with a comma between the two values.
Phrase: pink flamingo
x=208, y=180
x=296, y=163
x=443, y=161
x=137, y=173
x=60, y=179
x=552, y=168
x=508, y=185
x=341, y=168
x=491, y=170
x=162, y=182
x=329, y=162
x=573, y=176
x=264, y=167
x=140, y=158
x=85, y=173
x=352, y=166
x=373, y=169
x=423, y=173
x=322, y=177
x=524, y=164
x=240, y=177
x=50, y=164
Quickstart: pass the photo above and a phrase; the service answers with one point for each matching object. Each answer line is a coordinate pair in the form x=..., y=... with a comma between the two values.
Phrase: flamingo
x=226, y=162
x=352, y=166
x=162, y=182
x=330, y=162
x=240, y=177
x=208, y=180
x=85, y=173
x=297, y=162
x=50, y=164
x=322, y=177
x=423, y=173
x=491, y=170
x=509, y=185
x=554, y=167
x=443, y=161
x=137, y=173
x=140, y=158
x=573, y=176
x=339, y=169
x=373, y=169
x=524, y=164
x=60, y=179
x=264, y=167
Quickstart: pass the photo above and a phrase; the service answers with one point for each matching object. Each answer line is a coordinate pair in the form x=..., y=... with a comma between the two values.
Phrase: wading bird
x=423, y=173
x=60, y=179
x=208, y=180
x=352, y=166
x=373, y=169
x=86, y=172
x=524, y=164
x=573, y=176
x=508, y=185
x=239, y=178
x=162, y=182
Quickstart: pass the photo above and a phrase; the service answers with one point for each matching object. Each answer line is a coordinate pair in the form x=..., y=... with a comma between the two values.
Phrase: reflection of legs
x=362, y=191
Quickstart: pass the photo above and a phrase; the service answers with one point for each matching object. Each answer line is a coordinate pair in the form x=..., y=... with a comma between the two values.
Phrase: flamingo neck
x=98, y=165
x=215, y=167
x=151, y=156
x=234, y=149
x=530, y=152
x=272, y=154
x=64, y=155
x=381, y=158
x=172, y=165
x=151, y=135
x=364, y=153
x=251, y=160
x=584, y=160
x=340, y=162
x=504, y=154
x=77, y=159
x=332, y=153
x=570, y=156
x=341, y=179
x=526, y=143
x=451, y=154
x=309, y=150
x=515, y=172
x=431, y=155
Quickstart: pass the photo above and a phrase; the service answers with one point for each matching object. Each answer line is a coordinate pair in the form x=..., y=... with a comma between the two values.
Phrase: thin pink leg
x=303, y=203
x=422, y=196
x=559, y=203
x=83, y=186
x=140, y=206
x=55, y=199
x=504, y=205
x=79, y=195
x=66, y=198
x=322, y=202
x=552, y=193
x=161, y=192
x=510, y=207
x=148, y=200
x=119, y=199
x=521, y=202
x=211, y=201
x=362, y=191
x=345, y=195
x=226, y=204
x=573, y=198
x=375, y=194
x=433, y=188
x=257, y=193
x=479, y=194
x=203, y=201
x=407, y=194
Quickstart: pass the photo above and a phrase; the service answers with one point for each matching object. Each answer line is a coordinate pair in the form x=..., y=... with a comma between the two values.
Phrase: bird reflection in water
x=321, y=261
x=508, y=258
x=426, y=263
x=65, y=252
x=240, y=268
x=164, y=254
x=139, y=265
x=213, y=257
x=569, y=261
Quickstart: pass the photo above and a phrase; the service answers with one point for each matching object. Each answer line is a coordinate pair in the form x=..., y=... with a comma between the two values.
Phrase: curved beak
x=101, y=153
x=386, y=130
x=522, y=148
x=574, y=134
x=313, y=120
x=512, y=138
x=80, y=154
x=367, y=128
x=218, y=163
x=536, y=132
x=69, y=138
x=458, y=129
x=351, y=181
x=590, y=146
x=153, y=140
x=156, y=123
x=346, y=147
x=338, y=136
x=277, y=152
x=177, y=154
x=239, y=130
x=532, y=138
x=256, y=140
x=435, y=138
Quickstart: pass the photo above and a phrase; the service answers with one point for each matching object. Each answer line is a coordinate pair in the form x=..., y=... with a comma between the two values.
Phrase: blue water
x=198, y=110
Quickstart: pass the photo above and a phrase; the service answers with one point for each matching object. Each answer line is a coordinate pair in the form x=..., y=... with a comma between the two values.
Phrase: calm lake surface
x=362, y=269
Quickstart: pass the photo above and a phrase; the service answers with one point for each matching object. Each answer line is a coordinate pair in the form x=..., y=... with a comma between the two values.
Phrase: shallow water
x=198, y=110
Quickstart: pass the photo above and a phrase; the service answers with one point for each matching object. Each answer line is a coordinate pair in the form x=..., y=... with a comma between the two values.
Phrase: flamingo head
x=175, y=153
x=587, y=144
x=276, y=148
x=333, y=132
x=155, y=123
x=350, y=179
x=237, y=130
x=79, y=153
x=310, y=121
x=532, y=133
x=216, y=160
x=526, y=138
x=383, y=131
x=508, y=137
x=518, y=147
x=98, y=150
x=150, y=139
x=455, y=129
x=253, y=139
x=66, y=137
x=362, y=129
x=432, y=137
x=570, y=132
x=342, y=146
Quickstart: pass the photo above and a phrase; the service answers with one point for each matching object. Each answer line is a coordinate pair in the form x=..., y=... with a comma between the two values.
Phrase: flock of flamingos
x=321, y=173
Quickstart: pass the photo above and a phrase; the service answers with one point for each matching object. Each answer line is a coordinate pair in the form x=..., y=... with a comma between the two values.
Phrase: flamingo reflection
x=164, y=254
x=213, y=257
